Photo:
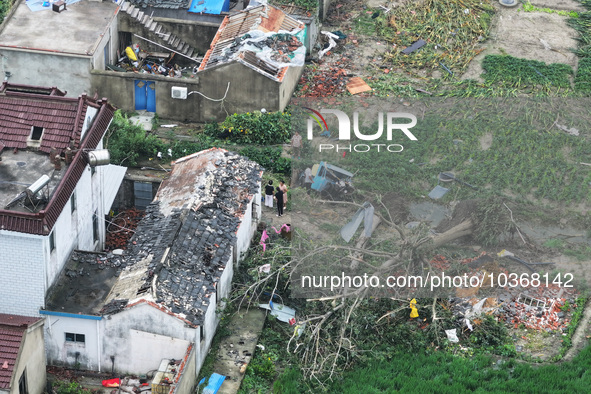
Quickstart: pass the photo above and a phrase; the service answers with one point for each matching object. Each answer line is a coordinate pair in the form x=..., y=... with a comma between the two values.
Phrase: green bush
x=269, y=158
x=126, y=142
x=288, y=382
x=65, y=387
x=269, y=128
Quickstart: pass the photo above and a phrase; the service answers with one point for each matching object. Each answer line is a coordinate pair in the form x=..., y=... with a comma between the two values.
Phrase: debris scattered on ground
x=324, y=83
x=357, y=85
x=121, y=228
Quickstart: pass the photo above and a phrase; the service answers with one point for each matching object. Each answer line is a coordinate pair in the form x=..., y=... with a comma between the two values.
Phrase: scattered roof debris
x=263, y=38
x=181, y=246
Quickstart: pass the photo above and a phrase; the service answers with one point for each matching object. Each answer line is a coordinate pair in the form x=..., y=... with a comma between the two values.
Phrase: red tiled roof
x=62, y=119
x=265, y=18
x=12, y=328
x=58, y=116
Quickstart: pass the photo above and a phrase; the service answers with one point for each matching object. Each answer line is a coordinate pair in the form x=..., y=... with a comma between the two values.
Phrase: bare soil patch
x=519, y=34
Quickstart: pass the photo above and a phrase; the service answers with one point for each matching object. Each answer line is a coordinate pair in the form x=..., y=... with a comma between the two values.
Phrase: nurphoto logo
x=392, y=125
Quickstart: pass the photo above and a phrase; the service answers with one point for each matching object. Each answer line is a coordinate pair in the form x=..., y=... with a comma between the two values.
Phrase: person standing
x=279, y=198
x=269, y=194
x=296, y=144
x=283, y=188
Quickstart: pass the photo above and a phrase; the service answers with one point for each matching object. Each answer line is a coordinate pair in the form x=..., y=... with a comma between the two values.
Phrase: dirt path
x=237, y=349
x=579, y=340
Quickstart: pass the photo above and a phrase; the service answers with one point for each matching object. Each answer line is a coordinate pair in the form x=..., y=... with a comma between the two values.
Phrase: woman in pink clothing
x=283, y=188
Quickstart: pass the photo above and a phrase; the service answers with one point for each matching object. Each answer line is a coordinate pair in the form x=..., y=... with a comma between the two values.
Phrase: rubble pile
x=327, y=82
x=121, y=228
x=95, y=260
x=538, y=308
x=143, y=62
x=534, y=307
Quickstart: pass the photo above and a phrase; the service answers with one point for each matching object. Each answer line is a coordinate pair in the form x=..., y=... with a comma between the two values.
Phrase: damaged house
x=55, y=188
x=159, y=56
x=254, y=61
x=158, y=300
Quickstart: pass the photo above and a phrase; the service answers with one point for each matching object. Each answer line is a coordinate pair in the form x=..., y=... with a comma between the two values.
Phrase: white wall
x=248, y=224
x=110, y=40
x=148, y=349
x=60, y=352
x=22, y=273
x=121, y=343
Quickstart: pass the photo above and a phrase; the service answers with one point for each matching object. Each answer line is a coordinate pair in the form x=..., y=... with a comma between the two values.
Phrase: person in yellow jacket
x=413, y=309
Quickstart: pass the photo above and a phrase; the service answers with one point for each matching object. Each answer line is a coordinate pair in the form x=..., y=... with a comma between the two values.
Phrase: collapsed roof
x=262, y=38
x=180, y=248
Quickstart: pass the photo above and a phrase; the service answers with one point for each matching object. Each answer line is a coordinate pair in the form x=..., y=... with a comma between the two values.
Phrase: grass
x=583, y=78
x=509, y=71
x=443, y=373
x=452, y=30
x=529, y=7
x=527, y=156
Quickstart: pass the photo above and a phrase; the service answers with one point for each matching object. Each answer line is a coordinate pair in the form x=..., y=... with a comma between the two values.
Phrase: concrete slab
x=520, y=34
x=76, y=30
x=238, y=348
x=144, y=119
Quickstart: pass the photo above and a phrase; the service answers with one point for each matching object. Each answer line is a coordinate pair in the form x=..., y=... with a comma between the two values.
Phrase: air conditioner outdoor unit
x=179, y=92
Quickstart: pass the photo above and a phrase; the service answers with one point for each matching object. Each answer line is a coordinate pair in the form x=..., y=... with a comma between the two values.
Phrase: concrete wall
x=22, y=282
x=248, y=225
x=119, y=88
x=69, y=73
x=287, y=87
x=125, y=198
x=63, y=353
x=147, y=350
x=197, y=34
x=249, y=91
x=32, y=361
x=188, y=379
x=110, y=41
x=120, y=342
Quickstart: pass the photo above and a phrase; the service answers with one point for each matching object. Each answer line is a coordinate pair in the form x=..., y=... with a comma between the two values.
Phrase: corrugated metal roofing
x=265, y=18
x=12, y=328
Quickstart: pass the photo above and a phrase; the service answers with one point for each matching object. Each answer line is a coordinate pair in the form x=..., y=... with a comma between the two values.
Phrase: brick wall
x=22, y=282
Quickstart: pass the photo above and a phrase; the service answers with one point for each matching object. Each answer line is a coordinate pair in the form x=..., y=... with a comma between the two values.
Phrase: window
x=75, y=338
x=201, y=334
x=52, y=241
x=22, y=383
x=95, y=227
x=36, y=133
x=73, y=202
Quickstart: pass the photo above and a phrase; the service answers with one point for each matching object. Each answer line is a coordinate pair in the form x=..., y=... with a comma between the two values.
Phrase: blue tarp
x=215, y=7
x=37, y=5
x=213, y=384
